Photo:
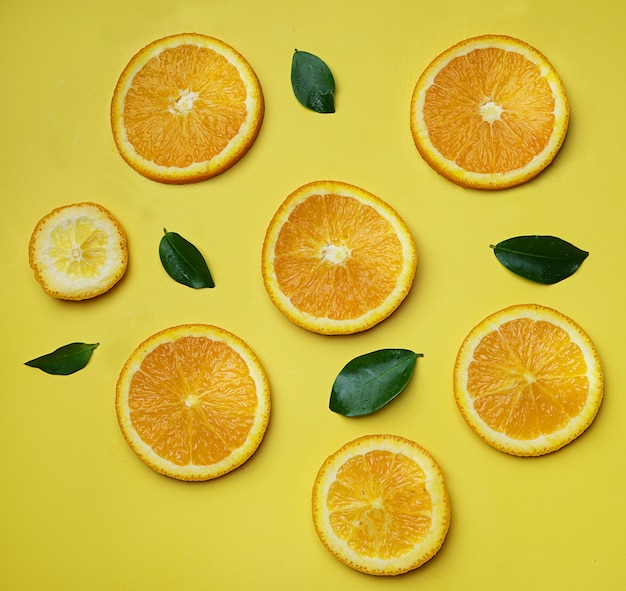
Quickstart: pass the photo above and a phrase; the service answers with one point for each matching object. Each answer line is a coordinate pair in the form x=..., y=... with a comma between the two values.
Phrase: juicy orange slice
x=380, y=505
x=489, y=113
x=337, y=259
x=78, y=251
x=528, y=380
x=193, y=402
x=186, y=108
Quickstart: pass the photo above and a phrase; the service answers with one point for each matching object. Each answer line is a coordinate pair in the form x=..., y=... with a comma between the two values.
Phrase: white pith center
x=490, y=111
x=185, y=102
x=335, y=253
x=191, y=400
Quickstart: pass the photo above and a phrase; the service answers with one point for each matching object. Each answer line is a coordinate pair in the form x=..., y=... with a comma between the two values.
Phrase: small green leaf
x=543, y=259
x=183, y=262
x=65, y=360
x=312, y=82
x=370, y=381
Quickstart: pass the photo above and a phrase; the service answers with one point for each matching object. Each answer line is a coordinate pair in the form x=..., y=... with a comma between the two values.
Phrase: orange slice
x=489, y=113
x=78, y=251
x=186, y=108
x=193, y=402
x=337, y=259
x=528, y=380
x=380, y=505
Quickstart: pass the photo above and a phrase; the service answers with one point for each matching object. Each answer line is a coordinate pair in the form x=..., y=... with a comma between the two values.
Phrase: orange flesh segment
x=184, y=106
x=325, y=252
x=193, y=401
x=528, y=386
x=379, y=504
x=494, y=141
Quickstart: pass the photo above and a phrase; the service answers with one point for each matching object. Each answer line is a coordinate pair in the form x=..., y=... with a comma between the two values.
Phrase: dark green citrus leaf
x=543, y=259
x=370, y=381
x=65, y=360
x=312, y=82
x=184, y=262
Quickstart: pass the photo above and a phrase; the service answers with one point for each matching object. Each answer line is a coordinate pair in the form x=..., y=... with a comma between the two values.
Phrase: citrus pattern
x=489, y=113
x=193, y=402
x=528, y=380
x=337, y=259
x=186, y=108
x=380, y=505
x=78, y=251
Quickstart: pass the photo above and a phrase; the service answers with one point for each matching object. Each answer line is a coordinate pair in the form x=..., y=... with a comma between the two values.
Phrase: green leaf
x=184, y=262
x=543, y=259
x=312, y=82
x=370, y=381
x=65, y=360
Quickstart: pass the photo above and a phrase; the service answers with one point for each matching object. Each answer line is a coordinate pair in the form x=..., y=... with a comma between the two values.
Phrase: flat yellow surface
x=80, y=511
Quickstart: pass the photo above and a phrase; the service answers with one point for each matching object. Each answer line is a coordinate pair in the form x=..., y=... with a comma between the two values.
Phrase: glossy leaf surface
x=543, y=259
x=370, y=381
x=65, y=360
x=183, y=262
x=312, y=82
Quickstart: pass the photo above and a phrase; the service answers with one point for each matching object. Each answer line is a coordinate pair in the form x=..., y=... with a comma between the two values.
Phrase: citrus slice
x=186, y=108
x=193, y=402
x=337, y=259
x=380, y=505
x=78, y=251
x=528, y=380
x=489, y=113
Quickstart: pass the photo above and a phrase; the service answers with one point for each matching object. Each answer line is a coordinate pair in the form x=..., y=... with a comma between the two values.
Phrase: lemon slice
x=78, y=251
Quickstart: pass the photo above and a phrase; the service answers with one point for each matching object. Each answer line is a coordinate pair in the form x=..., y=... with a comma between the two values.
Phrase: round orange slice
x=193, y=402
x=380, y=505
x=186, y=108
x=78, y=251
x=337, y=259
x=528, y=380
x=489, y=113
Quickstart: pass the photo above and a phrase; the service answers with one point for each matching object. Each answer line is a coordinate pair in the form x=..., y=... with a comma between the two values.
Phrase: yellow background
x=80, y=511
